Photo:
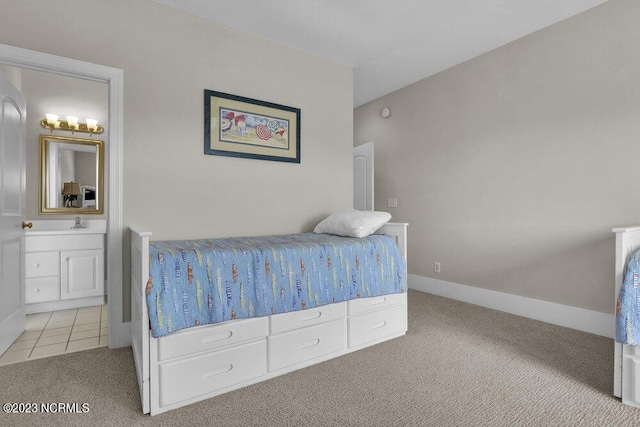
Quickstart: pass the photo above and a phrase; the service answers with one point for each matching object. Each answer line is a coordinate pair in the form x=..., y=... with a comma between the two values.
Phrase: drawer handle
x=36, y=290
x=379, y=301
x=379, y=325
x=216, y=338
x=312, y=317
x=313, y=344
x=221, y=370
x=36, y=265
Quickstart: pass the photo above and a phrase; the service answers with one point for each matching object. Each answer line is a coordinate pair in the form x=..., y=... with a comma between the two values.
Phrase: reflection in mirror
x=71, y=175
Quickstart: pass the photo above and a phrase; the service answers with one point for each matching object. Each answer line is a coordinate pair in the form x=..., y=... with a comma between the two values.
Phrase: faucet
x=78, y=224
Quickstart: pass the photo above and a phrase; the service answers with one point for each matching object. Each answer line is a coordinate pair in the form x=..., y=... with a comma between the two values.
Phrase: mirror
x=71, y=175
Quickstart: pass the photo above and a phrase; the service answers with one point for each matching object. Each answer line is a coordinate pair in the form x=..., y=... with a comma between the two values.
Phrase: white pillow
x=353, y=223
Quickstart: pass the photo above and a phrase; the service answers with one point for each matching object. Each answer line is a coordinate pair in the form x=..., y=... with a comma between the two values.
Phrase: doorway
x=119, y=331
x=363, y=177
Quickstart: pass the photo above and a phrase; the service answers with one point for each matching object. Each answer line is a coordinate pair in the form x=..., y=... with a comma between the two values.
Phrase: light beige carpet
x=459, y=365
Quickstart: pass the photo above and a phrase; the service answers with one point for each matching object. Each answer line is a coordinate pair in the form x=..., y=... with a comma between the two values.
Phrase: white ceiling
x=390, y=44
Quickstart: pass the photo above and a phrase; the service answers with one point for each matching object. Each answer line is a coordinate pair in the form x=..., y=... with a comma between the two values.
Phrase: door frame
x=119, y=331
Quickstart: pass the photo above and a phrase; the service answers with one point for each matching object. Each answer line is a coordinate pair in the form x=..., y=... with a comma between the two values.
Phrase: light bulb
x=72, y=121
x=51, y=119
x=92, y=125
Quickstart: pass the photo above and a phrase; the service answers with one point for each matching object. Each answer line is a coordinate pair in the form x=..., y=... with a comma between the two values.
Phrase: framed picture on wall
x=235, y=126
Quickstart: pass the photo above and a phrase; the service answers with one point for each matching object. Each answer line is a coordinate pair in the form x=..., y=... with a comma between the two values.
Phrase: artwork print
x=236, y=126
x=245, y=128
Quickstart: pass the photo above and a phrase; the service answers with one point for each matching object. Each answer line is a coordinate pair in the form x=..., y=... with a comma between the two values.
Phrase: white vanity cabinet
x=64, y=269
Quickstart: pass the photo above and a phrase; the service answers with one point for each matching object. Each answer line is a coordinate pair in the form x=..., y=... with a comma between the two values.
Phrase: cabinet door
x=82, y=273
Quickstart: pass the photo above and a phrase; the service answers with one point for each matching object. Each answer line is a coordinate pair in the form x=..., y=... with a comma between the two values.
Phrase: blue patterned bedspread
x=628, y=304
x=196, y=282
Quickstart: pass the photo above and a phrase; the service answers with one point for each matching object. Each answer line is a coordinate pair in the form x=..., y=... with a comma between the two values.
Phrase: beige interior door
x=12, y=212
x=363, y=177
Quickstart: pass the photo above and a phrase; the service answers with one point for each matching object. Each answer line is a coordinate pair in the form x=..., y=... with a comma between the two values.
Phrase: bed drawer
x=296, y=347
x=210, y=337
x=41, y=264
x=42, y=289
x=376, y=325
x=299, y=319
x=206, y=373
x=363, y=305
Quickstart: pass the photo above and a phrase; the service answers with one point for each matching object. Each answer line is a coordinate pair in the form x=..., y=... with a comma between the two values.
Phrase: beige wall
x=513, y=167
x=85, y=169
x=168, y=59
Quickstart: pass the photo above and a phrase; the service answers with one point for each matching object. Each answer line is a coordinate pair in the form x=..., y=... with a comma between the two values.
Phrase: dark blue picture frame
x=290, y=153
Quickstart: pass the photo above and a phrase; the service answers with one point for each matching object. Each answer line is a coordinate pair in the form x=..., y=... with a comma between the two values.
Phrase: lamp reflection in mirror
x=71, y=191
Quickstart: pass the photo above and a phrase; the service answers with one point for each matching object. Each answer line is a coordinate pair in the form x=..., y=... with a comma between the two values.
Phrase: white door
x=363, y=177
x=12, y=212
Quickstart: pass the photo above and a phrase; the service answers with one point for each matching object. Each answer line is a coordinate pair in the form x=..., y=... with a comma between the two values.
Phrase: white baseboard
x=581, y=319
x=65, y=304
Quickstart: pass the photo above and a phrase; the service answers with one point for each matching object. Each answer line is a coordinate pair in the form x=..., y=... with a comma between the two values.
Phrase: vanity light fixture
x=72, y=124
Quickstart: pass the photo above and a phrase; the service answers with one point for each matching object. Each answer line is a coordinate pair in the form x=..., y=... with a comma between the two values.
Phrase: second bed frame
x=626, y=373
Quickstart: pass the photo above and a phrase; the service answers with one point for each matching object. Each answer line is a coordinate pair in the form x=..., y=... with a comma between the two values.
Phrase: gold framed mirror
x=71, y=175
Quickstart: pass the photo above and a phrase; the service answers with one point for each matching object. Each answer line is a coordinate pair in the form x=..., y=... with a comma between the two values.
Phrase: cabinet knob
x=36, y=265
x=36, y=290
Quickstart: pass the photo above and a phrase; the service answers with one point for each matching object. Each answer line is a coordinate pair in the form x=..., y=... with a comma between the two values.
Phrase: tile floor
x=59, y=332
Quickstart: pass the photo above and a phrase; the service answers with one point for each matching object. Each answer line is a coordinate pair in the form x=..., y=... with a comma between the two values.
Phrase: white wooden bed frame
x=626, y=378
x=205, y=361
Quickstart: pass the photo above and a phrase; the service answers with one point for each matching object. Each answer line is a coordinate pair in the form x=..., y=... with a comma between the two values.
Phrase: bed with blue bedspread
x=197, y=282
x=298, y=300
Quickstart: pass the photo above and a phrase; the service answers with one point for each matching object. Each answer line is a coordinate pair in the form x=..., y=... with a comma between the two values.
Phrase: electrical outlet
x=392, y=203
x=436, y=267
